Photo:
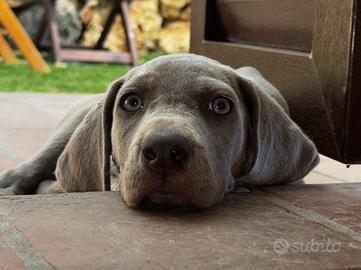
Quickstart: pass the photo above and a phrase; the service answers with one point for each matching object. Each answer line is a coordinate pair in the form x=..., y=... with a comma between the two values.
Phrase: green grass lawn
x=74, y=78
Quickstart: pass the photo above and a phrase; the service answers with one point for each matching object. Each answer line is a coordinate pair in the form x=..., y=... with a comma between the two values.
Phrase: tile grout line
x=311, y=216
x=24, y=250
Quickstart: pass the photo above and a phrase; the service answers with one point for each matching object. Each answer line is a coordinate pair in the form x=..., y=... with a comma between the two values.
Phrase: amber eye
x=220, y=105
x=132, y=103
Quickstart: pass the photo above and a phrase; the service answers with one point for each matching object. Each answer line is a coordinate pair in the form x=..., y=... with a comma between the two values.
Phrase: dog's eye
x=132, y=103
x=220, y=105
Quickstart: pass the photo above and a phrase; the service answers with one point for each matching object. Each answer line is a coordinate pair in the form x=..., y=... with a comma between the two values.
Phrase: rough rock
x=147, y=23
x=94, y=16
x=88, y=10
x=171, y=10
x=30, y=18
x=145, y=19
x=175, y=37
x=116, y=40
x=69, y=23
x=186, y=14
x=66, y=15
x=157, y=24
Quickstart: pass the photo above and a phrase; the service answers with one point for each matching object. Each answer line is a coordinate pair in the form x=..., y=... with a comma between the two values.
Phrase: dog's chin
x=166, y=199
x=142, y=187
x=159, y=198
x=136, y=197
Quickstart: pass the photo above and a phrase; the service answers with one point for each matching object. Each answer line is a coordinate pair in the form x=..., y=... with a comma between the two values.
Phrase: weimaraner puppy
x=179, y=129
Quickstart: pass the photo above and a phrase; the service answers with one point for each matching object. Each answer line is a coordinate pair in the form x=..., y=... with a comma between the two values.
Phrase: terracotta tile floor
x=26, y=120
x=289, y=227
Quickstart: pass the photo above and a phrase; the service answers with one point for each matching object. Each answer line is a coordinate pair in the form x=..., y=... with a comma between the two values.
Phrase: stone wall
x=157, y=24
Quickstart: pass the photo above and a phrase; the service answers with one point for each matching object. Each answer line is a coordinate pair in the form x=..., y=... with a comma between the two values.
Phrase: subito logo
x=281, y=246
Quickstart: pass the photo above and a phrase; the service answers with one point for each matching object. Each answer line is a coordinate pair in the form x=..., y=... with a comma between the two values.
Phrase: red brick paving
x=343, y=201
x=97, y=231
x=8, y=258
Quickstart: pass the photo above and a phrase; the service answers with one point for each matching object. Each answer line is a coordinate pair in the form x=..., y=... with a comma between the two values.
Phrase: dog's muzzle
x=164, y=151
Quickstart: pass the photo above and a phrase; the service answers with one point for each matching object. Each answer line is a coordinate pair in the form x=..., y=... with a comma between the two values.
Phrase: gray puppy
x=180, y=128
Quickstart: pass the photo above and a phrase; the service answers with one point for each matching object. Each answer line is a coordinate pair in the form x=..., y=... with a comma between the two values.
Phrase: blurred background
x=159, y=27
x=158, y=24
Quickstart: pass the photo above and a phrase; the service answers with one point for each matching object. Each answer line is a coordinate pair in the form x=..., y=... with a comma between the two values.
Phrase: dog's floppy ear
x=84, y=164
x=282, y=153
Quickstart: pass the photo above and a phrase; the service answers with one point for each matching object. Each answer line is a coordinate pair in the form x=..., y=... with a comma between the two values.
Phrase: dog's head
x=183, y=128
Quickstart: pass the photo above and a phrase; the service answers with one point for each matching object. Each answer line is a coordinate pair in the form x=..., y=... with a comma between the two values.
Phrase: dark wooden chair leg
x=124, y=12
x=108, y=25
x=53, y=30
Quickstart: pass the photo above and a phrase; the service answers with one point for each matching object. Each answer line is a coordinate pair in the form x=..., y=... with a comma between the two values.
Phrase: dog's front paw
x=6, y=192
x=6, y=188
x=11, y=183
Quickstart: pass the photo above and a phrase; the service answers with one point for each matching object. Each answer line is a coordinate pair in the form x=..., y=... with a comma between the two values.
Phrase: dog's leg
x=25, y=178
x=49, y=186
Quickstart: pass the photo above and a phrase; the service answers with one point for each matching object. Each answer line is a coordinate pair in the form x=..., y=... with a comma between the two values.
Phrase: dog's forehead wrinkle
x=186, y=124
x=209, y=81
x=170, y=120
x=180, y=74
x=185, y=92
x=184, y=60
x=206, y=84
x=174, y=104
x=141, y=80
x=181, y=66
x=178, y=103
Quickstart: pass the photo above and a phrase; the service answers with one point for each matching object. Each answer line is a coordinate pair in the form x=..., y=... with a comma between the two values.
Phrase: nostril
x=165, y=151
x=149, y=154
x=178, y=155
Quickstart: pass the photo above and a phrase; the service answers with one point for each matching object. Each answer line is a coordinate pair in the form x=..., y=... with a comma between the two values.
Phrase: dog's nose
x=165, y=151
